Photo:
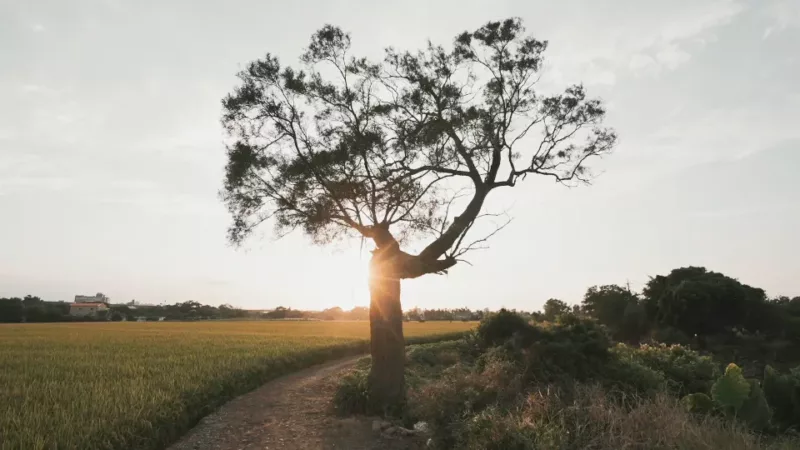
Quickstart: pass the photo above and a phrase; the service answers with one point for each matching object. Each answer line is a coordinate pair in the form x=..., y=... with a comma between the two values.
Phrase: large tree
x=400, y=151
x=617, y=308
x=702, y=302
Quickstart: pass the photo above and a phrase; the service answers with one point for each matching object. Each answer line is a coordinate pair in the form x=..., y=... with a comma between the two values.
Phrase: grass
x=141, y=385
x=478, y=397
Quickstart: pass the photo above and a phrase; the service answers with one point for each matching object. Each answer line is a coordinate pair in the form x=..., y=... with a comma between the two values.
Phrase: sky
x=111, y=152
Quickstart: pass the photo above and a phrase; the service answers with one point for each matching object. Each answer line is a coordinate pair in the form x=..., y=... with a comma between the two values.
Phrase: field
x=140, y=385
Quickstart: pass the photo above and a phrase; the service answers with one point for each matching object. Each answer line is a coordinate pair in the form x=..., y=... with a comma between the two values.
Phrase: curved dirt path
x=292, y=412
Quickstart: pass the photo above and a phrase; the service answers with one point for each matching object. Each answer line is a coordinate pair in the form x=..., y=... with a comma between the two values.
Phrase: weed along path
x=292, y=412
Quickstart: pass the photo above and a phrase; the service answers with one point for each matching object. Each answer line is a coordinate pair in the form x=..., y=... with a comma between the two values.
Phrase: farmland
x=140, y=385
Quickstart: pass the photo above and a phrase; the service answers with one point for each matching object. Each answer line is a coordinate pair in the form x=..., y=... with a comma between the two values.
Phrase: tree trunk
x=387, y=345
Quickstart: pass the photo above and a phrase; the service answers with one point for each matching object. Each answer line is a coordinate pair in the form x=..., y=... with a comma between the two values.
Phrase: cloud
x=55, y=183
x=783, y=14
x=720, y=135
x=738, y=213
x=672, y=56
x=37, y=28
x=641, y=62
x=645, y=39
x=38, y=89
x=134, y=184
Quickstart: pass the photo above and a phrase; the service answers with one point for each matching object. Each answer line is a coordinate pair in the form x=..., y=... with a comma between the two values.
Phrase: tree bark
x=387, y=345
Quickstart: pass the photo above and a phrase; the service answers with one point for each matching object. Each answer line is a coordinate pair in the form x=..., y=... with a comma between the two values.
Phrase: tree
x=12, y=310
x=31, y=300
x=399, y=151
x=617, y=308
x=697, y=301
x=554, y=308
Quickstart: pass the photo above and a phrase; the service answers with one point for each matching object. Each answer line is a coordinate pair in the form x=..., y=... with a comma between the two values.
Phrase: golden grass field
x=140, y=385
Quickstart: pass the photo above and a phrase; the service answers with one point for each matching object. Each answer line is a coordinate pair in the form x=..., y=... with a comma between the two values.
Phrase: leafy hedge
x=513, y=384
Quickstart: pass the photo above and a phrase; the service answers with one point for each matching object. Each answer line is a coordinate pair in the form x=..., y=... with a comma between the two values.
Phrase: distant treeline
x=362, y=313
x=34, y=309
x=688, y=305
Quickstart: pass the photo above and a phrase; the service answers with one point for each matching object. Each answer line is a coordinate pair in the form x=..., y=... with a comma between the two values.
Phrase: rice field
x=121, y=385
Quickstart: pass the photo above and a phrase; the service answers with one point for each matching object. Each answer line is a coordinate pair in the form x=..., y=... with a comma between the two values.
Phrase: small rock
x=422, y=427
x=429, y=444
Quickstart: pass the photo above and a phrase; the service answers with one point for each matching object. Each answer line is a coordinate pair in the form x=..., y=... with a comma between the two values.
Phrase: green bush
x=352, y=394
x=461, y=392
x=698, y=403
x=782, y=392
x=686, y=371
x=670, y=335
x=731, y=389
x=632, y=377
x=738, y=398
x=573, y=348
x=498, y=328
x=565, y=389
x=755, y=410
x=436, y=354
x=587, y=417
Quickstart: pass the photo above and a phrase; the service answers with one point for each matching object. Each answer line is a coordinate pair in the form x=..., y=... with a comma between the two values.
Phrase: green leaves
x=734, y=396
x=741, y=398
x=698, y=403
x=755, y=410
x=782, y=391
x=731, y=390
x=344, y=143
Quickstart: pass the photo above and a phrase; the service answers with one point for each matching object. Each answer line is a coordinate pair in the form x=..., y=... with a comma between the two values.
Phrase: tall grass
x=140, y=385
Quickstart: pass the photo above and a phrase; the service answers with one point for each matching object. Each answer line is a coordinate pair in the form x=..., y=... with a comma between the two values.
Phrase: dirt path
x=292, y=412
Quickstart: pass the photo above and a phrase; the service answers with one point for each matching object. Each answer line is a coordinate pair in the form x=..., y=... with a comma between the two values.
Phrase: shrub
x=698, y=403
x=782, y=392
x=585, y=416
x=670, y=335
x=687, y=371
x=731, y=390
x=494, y=429
x=436, y=354
x=630, y=376
x=461, y=393
x=573, y=348
x=755, y=411
x=498, y=328
x=740, y=398
x=352, y=394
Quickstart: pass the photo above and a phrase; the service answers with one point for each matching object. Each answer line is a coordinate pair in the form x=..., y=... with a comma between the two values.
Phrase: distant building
x=97, y=298
x=86, y=309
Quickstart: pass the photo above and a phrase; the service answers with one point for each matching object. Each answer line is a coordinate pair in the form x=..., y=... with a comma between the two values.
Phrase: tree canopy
x=409, y=146
x=699, y=301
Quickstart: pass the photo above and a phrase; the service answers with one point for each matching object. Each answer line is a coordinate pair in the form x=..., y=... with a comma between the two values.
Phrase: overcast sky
x=111, y=151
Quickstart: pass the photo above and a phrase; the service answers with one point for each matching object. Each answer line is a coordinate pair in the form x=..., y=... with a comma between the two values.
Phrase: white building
x=86, y=309
x=97, y=298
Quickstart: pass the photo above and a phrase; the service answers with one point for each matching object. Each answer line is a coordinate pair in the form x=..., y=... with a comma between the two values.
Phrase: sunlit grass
x=139, y=385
